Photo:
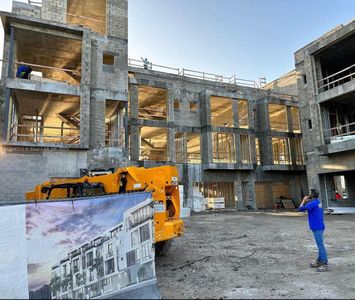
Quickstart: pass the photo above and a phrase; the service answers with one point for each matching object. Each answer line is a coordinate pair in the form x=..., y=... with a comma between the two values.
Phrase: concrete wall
x=22, y=168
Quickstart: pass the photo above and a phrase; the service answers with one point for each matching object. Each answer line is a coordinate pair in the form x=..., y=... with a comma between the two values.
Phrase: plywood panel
x=267, y=193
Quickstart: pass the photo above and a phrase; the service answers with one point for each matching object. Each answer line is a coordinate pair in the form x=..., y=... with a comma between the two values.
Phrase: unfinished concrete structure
x=327, y=94
x=88, y=106
x=74, y=99
x=231, y=140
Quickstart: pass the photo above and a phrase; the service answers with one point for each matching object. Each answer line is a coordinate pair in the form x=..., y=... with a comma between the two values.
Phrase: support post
x=8, y=91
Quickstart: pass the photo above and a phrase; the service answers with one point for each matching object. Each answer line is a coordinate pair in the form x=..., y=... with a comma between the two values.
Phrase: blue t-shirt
x=315, y=214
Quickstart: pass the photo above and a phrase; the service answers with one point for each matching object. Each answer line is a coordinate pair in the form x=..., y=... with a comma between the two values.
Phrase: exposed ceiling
x=45, y=104
x=338, y=56
x=221, y=111
x=52, y=51
x=152, y=102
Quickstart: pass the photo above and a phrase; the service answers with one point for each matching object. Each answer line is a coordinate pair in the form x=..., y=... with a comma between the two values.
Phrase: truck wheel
x=161, y=248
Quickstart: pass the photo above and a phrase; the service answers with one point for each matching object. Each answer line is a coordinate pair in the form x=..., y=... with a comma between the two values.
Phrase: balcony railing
x=224, y=157
x=115, y=140
x=340, y=133
x=233, y=80
x=336, y=79
x=37, y=134
x=282, y=160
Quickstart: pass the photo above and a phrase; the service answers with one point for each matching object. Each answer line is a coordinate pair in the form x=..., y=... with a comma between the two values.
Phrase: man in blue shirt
x=23, y=72
x=313, y=206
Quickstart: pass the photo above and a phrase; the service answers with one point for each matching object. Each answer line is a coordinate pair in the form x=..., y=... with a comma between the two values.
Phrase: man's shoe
x=316, y=264
x=323, y=268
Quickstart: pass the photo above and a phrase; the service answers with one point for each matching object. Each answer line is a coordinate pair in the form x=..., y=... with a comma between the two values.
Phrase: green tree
x=55, y=284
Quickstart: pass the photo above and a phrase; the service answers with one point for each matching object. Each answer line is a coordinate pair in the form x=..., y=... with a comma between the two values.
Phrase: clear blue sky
x=249, y=38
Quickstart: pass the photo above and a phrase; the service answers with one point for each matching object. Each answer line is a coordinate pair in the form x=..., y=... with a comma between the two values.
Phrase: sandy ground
x=257, y=255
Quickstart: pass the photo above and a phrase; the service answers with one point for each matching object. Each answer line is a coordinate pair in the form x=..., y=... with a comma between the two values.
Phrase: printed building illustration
x=121, y=257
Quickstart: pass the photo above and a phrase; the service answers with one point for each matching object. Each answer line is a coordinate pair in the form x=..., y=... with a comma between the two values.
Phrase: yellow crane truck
x=162, y=182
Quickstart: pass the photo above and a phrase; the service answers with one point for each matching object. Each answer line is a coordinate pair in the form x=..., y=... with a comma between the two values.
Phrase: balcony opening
x=221, y=112
x=114, y=128
x=88, y=13
x=340, y=189
x=152, y=103
x=296, y=125
x=245, y=148
x=193, y=142
x=188, y=147
x=278, y=117
x=153, y=143
x=341, y=120
x=223, y=145
x=243, y=113
x=37, y=117
x=52, y=58
x=337, y=64
x=281, y=151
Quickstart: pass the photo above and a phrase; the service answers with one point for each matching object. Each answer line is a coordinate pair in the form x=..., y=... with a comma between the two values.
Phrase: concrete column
x=205, y=108
x=238, y=194
x=251, y=192
x=289, y=119
x=133, y=90
x=171, y=145
x=97, y=123
x=135, y=142
x=170, y=105
x=293, y=150
x=325, y=122
x=265, y=140
x=86, y=57
x=206, y=146
x=85, y=115
x=85, y=89
x=252, y=149
x=251, y=121
x=238, y=147
x=235, y=113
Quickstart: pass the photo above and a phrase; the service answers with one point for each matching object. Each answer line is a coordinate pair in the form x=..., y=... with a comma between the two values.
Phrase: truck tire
x=161, y=248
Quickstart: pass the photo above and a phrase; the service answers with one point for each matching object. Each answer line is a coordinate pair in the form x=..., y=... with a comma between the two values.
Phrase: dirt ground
x=257, y=255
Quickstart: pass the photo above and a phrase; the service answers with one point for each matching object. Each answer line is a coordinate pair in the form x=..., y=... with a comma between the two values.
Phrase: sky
x=246, y=38
x=53, y=229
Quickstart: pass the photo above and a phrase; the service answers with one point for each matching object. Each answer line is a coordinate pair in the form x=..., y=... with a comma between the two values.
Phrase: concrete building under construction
x=327, y=100
x=87, y=106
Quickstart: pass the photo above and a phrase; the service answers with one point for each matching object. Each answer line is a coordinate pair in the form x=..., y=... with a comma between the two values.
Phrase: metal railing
x=282, y=160
x=335, y=133
x=336, y=79
x=37, y=134
x=233, y=80
x=224, y=157
x=115, y=140
x=38, y=78
x=154, y=154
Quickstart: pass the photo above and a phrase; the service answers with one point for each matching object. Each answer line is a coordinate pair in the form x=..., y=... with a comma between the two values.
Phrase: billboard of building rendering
x=93, y=248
